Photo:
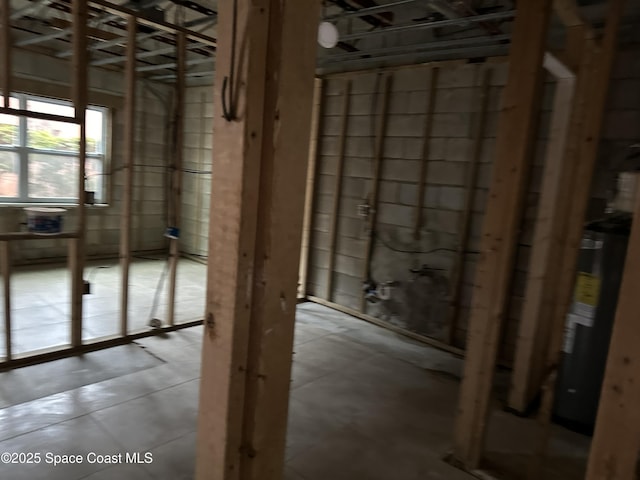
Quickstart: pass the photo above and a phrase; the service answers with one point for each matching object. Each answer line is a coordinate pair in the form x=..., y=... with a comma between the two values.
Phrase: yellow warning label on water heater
x=587, y=289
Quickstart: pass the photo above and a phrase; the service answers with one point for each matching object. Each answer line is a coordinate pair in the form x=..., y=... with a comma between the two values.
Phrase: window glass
x=46, y=152
x=9, y=179
x=95, y=131
x=56, y=136
x=50, y=107
x=94, y=174
x=53, y=176
x=10, y=125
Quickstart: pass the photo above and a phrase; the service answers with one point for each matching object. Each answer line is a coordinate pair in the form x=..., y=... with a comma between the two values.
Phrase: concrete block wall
x=395, y=251
x=196, y=183
x=449, y=152
x=150, y=173
x=417, y=303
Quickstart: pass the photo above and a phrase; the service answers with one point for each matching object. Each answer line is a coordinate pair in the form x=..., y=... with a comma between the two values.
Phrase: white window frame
x=24, y=151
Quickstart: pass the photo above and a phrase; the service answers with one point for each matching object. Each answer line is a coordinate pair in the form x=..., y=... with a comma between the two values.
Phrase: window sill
x=70, y=206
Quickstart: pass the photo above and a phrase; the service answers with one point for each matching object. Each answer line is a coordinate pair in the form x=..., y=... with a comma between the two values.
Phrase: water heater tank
x=590, y=321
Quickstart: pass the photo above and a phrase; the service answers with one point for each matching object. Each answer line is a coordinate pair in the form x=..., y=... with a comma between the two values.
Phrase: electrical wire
x=197, y=172
x=228, y=100
x=422, y=252
x=186, y=170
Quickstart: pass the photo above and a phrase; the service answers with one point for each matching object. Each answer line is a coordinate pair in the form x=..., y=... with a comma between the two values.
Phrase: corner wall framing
x=577, y=123
x=411, y=191
x=565, y=197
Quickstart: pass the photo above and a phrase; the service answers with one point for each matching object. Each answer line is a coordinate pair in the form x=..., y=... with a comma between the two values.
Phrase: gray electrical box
x=589, y=323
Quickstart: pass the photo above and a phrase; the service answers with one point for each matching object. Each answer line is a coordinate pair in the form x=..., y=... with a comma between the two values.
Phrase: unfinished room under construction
x=319, y=239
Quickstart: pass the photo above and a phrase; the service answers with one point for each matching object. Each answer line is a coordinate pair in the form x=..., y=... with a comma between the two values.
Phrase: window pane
x=9, y=181
x=95, y=129
x=9, y=125
x=48, y=107
x=53, y=176
x=95, y=178
x=48, y=135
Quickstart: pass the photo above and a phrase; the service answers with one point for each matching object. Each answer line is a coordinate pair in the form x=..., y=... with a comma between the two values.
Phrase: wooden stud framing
x=255, y=232
x=5, y=264
x=500, y=230
x=286, y=134
x=595, y=72
x=428, y=127
x=232, y=238
x=128, y=160
x=470, y=189
x=176, y=191
x=616, y=443
x=598, y=66
x=337, y=189
x=547, y=245
x=5, y=51
x=371, y=220
x=310, y=190
x=569, y=13
x=79, y=96
x=200, y=212
x=59, y=352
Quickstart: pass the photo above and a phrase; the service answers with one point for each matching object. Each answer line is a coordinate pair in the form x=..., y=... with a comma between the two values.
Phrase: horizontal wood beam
x=56, y=353
x=158, y=24
x=9, y=236
x=39, y=115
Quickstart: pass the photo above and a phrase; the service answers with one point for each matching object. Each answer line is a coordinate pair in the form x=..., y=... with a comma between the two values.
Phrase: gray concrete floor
x=40, y=301
x=365, y=404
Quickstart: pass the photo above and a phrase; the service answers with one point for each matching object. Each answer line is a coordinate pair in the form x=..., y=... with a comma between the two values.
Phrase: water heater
x=589, y=323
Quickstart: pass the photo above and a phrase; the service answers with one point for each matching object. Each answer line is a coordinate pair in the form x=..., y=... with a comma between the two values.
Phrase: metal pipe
x=110, y=43
x=486, y=51
x=150, y=68
x=29, y=8
x=187, y=75
x=98, y=20
x=416, y=48
x=444, y=8
x=430, y=25
x=139, y=38
x=140, y=56
x=371, y=10
x=62, y=33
